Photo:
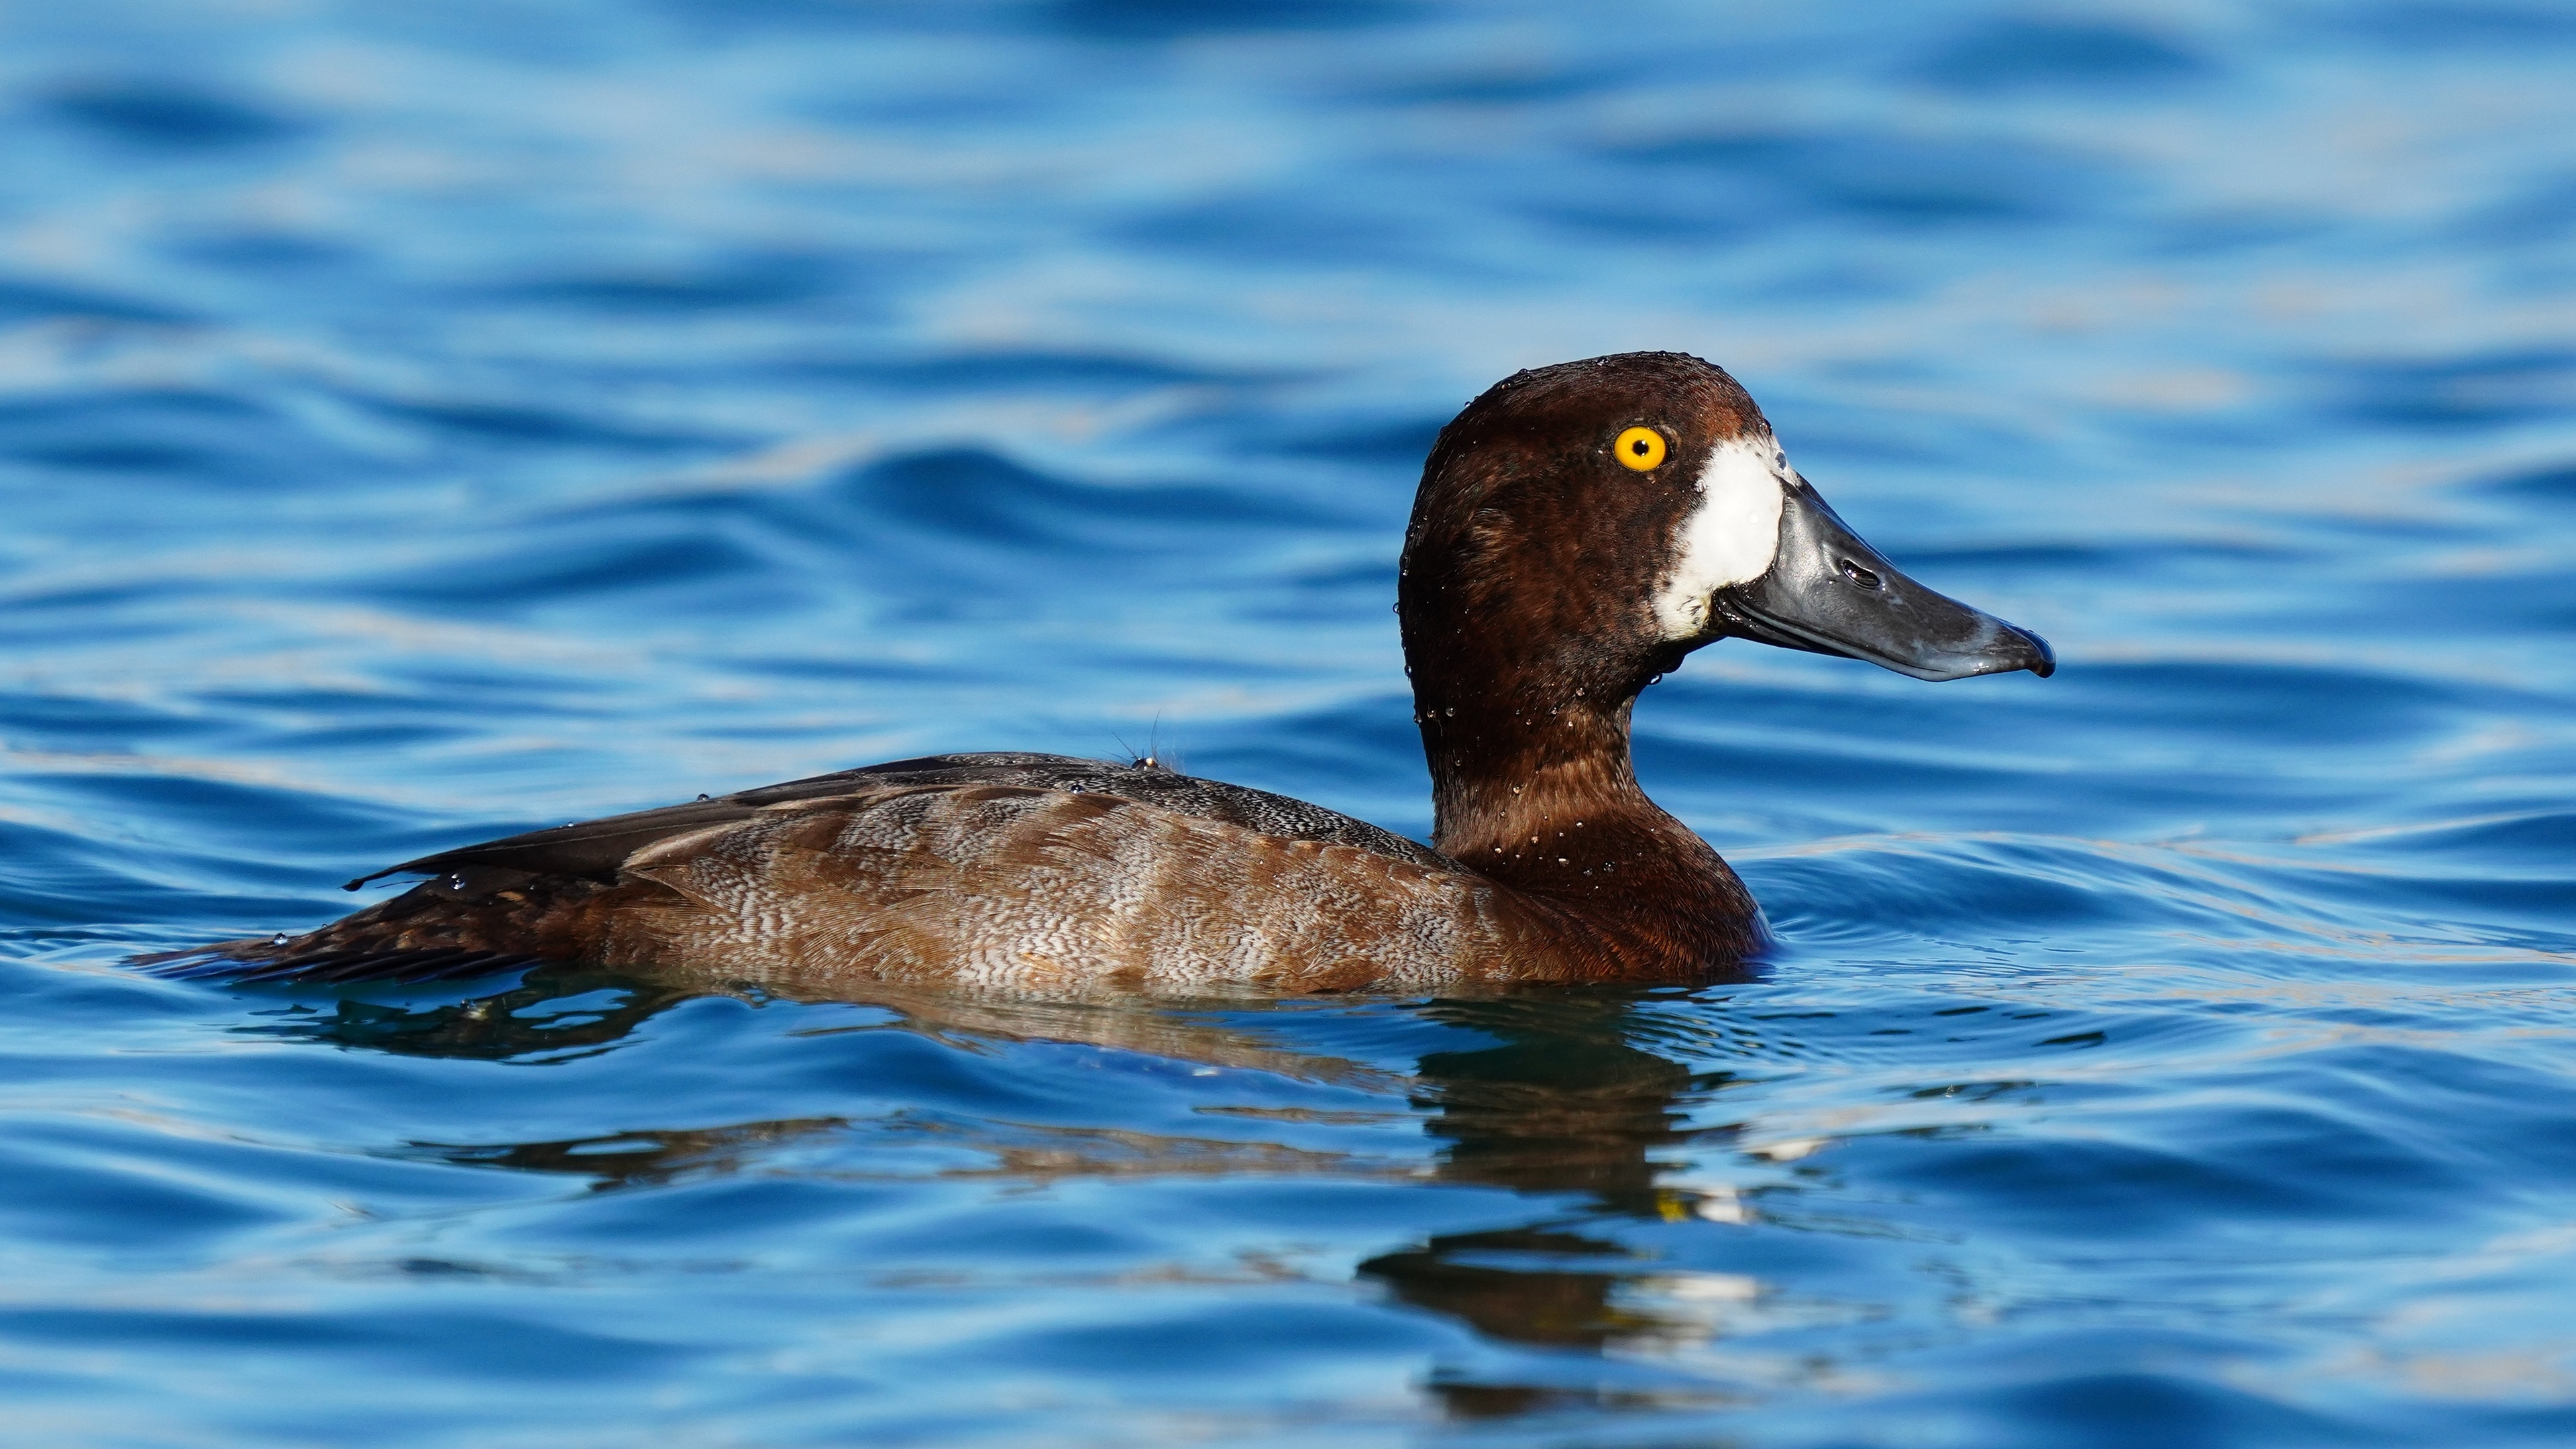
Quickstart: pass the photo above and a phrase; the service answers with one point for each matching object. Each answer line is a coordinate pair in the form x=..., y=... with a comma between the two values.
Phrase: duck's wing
x=597, y=850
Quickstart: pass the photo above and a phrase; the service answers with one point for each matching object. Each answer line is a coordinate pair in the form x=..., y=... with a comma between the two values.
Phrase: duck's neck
x=1504, y=771
x=1542, y=797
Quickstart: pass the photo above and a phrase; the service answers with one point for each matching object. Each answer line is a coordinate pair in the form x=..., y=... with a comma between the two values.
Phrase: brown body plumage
x=1530, y=572
x=1021, y=871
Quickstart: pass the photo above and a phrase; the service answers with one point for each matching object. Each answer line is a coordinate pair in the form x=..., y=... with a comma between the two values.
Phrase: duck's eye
x=1640, y=448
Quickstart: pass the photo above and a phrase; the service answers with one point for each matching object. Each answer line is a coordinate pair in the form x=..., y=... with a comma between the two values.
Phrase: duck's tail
x=478, y=922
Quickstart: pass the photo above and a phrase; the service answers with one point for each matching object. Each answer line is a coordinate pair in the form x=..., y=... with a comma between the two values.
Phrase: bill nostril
x=1861, y=576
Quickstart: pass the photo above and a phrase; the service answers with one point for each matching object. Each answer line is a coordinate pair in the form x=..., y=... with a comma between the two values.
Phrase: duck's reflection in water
x=1562, y=1102
x=1548, y=1094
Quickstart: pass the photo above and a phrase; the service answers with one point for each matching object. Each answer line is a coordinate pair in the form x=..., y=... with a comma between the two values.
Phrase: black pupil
x=1638, y=447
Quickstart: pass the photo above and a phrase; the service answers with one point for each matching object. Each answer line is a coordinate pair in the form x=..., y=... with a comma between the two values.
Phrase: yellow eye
x=1640, y=448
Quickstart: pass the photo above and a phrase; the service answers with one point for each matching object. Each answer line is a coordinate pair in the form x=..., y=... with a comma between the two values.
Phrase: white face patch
x=1730, y=537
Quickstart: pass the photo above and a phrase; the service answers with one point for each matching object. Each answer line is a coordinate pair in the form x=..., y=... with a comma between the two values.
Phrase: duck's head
x=1582, y=527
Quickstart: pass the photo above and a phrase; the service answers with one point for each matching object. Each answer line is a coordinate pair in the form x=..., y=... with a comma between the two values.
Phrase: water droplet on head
x=704, y=796
x=278, y=940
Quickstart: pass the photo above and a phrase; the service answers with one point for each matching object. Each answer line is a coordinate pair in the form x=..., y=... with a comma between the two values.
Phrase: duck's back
x=598, y=849
x=990, y=869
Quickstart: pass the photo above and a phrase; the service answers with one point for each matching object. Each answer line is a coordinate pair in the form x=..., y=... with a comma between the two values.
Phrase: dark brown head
x=1582, y=527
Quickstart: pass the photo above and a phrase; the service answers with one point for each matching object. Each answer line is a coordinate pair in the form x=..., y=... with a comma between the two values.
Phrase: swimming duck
x=1579, y=529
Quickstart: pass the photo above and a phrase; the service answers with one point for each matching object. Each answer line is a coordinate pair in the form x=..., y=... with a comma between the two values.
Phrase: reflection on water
x=1560, y=1104
x=1563, y=1103
x=550, y=1016
x=629, y=1159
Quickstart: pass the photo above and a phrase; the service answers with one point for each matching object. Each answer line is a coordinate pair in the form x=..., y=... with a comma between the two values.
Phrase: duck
x=1578, y=531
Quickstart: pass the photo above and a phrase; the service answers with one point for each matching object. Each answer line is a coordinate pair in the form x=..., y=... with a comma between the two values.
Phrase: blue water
x=419, y=423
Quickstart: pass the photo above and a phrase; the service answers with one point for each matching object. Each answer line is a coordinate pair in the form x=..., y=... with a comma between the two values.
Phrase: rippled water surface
x=423, y=422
